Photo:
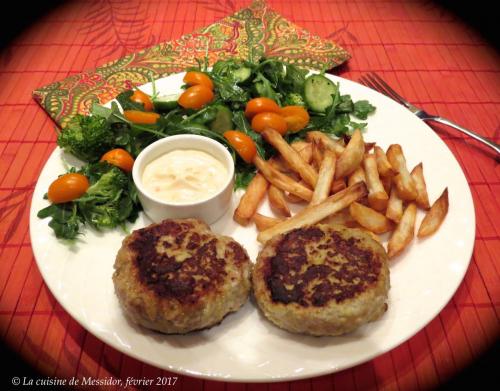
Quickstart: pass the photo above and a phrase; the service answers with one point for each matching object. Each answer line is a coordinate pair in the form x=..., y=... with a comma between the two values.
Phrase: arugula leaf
x=345, y=105
x=101, y=111
x=238, y=71
x=263, y=87
x=65, y=220
x=203, y=116
x=294, y=79
x=244, y=174
x=362, y=108
x=228, y=90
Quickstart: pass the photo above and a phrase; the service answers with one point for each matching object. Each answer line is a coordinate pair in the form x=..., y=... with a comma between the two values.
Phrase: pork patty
x=322, y=280
x=178, y=276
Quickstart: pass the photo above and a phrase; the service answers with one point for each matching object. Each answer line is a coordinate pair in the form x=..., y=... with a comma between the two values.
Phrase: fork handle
x=474, y=135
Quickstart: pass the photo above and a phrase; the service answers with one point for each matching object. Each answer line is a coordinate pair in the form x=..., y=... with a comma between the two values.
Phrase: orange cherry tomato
x=120, y=158
x=261, y=105
x=194, y=78
x=242, y=143
x=68, y=187
x=196, y=97
x=141, y=117
x=269, y=120
x=296, y=117
x=140, y=97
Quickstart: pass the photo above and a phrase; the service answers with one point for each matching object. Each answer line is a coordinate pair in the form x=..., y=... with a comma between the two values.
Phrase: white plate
x=245, y=346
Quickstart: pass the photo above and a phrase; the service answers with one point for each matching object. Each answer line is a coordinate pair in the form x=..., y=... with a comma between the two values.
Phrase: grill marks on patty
x=311, y=267
x=176, y=262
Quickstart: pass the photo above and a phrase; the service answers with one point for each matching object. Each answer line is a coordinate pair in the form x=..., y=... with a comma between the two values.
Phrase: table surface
x=432, y=58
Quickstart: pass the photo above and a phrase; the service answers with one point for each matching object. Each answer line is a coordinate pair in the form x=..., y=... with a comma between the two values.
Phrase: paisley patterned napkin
x=250, y=33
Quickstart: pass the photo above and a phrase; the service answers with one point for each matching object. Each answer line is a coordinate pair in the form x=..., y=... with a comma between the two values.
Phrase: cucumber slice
x=223, y=120
x=166, y=102
x=318, y=91
x=242, y=74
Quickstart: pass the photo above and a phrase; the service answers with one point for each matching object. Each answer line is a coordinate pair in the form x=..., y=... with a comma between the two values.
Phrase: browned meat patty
x=322, y=280
x=178, y=276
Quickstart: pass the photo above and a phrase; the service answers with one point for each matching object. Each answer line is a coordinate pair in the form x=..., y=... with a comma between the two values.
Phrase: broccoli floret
x=293, y=99
x=106, y=203
x=110, y=182
x=86, y=137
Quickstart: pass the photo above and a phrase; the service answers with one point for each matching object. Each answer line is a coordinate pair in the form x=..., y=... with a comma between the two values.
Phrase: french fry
x=250, y=201
x=317, y=153
x=387, y=183
x=342, y=217
x=300, y=144
x=292, y=198
x=370, y=219
x=338, y=185
x=394, y=209
x=383, y=166
x=358, y=175
x=291, y=156
x=304, y=149
x=264, y=222
x=435, y=216
x=277, y=201
x=404, y=182
x=352, y=156
x=377, y=197
x=404, y=232
x=422, y=199
x=406, y=187
x=279, y=164
x=316, y=213
x=325, y=178
x=369, y=147
x=282, y=181
x=326, y=140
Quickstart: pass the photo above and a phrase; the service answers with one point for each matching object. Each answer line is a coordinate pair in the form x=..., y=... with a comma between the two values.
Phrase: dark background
x=478, y=14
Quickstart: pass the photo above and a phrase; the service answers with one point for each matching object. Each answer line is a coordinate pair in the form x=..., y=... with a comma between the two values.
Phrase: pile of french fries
x=357, y=184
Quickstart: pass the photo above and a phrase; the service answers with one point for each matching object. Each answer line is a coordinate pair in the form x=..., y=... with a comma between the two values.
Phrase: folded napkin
x=250, y=33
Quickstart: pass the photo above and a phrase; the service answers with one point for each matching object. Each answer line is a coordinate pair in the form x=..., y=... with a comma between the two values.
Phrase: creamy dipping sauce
x=184, y=176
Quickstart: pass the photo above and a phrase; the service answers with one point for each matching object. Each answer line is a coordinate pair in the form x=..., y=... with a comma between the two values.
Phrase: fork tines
x=375, y=82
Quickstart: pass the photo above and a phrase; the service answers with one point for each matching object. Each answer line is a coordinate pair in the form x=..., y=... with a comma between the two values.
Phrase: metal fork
x=375, y=82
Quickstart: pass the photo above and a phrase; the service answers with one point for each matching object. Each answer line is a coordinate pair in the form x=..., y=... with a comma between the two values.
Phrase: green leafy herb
x=244, y=174
x=362, y=108
x=65, y=220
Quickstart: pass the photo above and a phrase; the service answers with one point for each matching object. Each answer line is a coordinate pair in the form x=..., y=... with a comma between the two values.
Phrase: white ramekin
x=208, y=210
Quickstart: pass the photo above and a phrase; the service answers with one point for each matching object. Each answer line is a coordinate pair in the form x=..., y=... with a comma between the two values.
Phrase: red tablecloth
x=434, y=60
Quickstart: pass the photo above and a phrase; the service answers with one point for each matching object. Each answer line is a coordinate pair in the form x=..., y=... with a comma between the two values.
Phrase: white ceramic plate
x=245, y=346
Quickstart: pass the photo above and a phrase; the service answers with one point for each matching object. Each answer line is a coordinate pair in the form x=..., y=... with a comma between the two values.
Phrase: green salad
x=231, y=102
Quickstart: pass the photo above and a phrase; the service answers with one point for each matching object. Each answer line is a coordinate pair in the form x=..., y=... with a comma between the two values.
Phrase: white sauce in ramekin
x=184, y=176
